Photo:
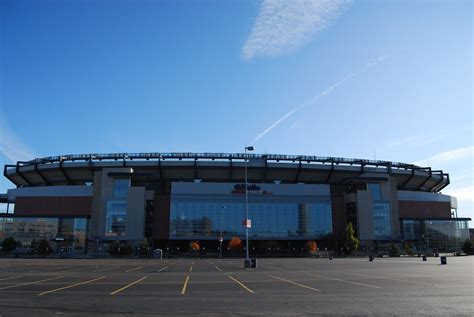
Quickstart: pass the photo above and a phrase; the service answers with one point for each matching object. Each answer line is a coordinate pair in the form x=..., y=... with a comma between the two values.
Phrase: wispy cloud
x=283, y=26
x=448, y=156
x=313, y=100
x=11, y=146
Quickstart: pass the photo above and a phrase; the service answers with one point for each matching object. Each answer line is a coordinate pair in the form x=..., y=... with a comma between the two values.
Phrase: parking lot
x=397, y=286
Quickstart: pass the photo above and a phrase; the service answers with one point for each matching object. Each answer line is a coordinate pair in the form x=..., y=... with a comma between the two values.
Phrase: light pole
x=220, y=228
x=247, y=258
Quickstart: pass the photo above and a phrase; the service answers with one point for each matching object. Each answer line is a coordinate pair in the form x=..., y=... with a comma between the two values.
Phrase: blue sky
x=391, y=79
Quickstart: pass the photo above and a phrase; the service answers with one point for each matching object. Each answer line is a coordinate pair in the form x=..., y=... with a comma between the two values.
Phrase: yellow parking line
x=34, y=282
x=336, y=279
x=294, y=283
x=163, y=268
x=127, y=286
x=191, y=268
x=10, y=278
x=70, y=286
x=391, y=279
x=220, y=270
x=137, y=268
x=106, y=269
x=241, y=284
x=185, y=285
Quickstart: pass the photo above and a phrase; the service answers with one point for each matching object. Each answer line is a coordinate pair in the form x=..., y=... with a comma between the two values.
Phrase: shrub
x=44, y=248
x=195, y=246
x=467, y=247
x=8, y=245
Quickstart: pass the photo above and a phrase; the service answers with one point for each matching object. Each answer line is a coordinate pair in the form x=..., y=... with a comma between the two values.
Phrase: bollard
x=424, y=257
x=443, y=260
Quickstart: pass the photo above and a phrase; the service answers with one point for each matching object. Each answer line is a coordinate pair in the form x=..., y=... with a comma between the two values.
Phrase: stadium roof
x=223, y=167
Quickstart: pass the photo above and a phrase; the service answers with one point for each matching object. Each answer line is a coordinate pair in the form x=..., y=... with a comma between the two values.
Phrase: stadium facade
x=81, y=203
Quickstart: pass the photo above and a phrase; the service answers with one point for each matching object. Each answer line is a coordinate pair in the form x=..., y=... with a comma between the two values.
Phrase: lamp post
x=247, y=258
x=220, y=228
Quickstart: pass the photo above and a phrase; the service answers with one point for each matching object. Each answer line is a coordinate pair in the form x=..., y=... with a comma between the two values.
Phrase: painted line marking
x=240, y=283
x=163, y=268
x=344, y=281
x=34, y=282
x=297, y=284
x=392, y=279
x=218, y=268
x=70, y=286
x=185, y=285
x=127, y=286
x=10, y=278
x=191, y=268
x=137, y=268
x=109, y=268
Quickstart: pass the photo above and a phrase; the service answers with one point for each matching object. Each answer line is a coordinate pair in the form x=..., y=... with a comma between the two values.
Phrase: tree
x=352, y=243
x=467, y=247
x=44, y=248
x=408, y=249
x=393, y=249
x=144, y=248
x=8, y=245
x=114, y=248
x=235, y=244
x=311, y=246
x=195, y=246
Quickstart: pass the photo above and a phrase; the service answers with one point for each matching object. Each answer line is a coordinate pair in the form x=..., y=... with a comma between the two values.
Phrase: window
x=120, y=189
x=283, y=219
x=375, y=190
x=382, y=226
x=115, y=218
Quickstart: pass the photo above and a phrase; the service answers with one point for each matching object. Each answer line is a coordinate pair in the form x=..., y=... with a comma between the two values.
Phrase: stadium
x=82, y=203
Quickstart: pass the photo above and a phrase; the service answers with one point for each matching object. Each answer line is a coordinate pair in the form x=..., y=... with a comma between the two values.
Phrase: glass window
x=375, y=190
x=382, y=225
x=120, y=189
x=282, y=219
x=115, y=218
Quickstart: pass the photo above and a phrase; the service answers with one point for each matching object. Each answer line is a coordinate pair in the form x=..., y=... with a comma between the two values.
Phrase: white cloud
x=464, y=193
x=448, y=156
x=11, y=146
x=283, y=26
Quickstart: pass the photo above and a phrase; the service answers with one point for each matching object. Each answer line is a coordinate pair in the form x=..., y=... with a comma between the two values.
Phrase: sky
x=391, y=80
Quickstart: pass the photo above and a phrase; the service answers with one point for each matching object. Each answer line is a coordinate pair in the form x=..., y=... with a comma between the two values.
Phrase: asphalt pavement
x=216, y=287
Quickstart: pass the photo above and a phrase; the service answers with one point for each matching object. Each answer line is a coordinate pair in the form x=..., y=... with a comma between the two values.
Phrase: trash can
x=157, y=254
x=253, y=263
x=443, y=260
x=424, y=257
x=330, y=257
x=371, y=258
x=247, y=264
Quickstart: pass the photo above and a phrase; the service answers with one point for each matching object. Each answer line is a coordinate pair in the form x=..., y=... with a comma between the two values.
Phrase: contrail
x=310, y=102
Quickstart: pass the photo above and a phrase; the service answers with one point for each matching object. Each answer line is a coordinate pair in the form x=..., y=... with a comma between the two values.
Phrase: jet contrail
x=325, y=92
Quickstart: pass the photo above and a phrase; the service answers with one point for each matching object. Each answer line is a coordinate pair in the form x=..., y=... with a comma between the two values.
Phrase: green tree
x=408, y=249
x=44, y=248
x=352, y=243
x=393, y=249
x=8, y=245
x=144, y=248
x=467, y=247
x=114, y=248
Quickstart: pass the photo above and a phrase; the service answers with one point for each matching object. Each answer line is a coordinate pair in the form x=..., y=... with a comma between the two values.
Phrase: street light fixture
x=247, y=258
